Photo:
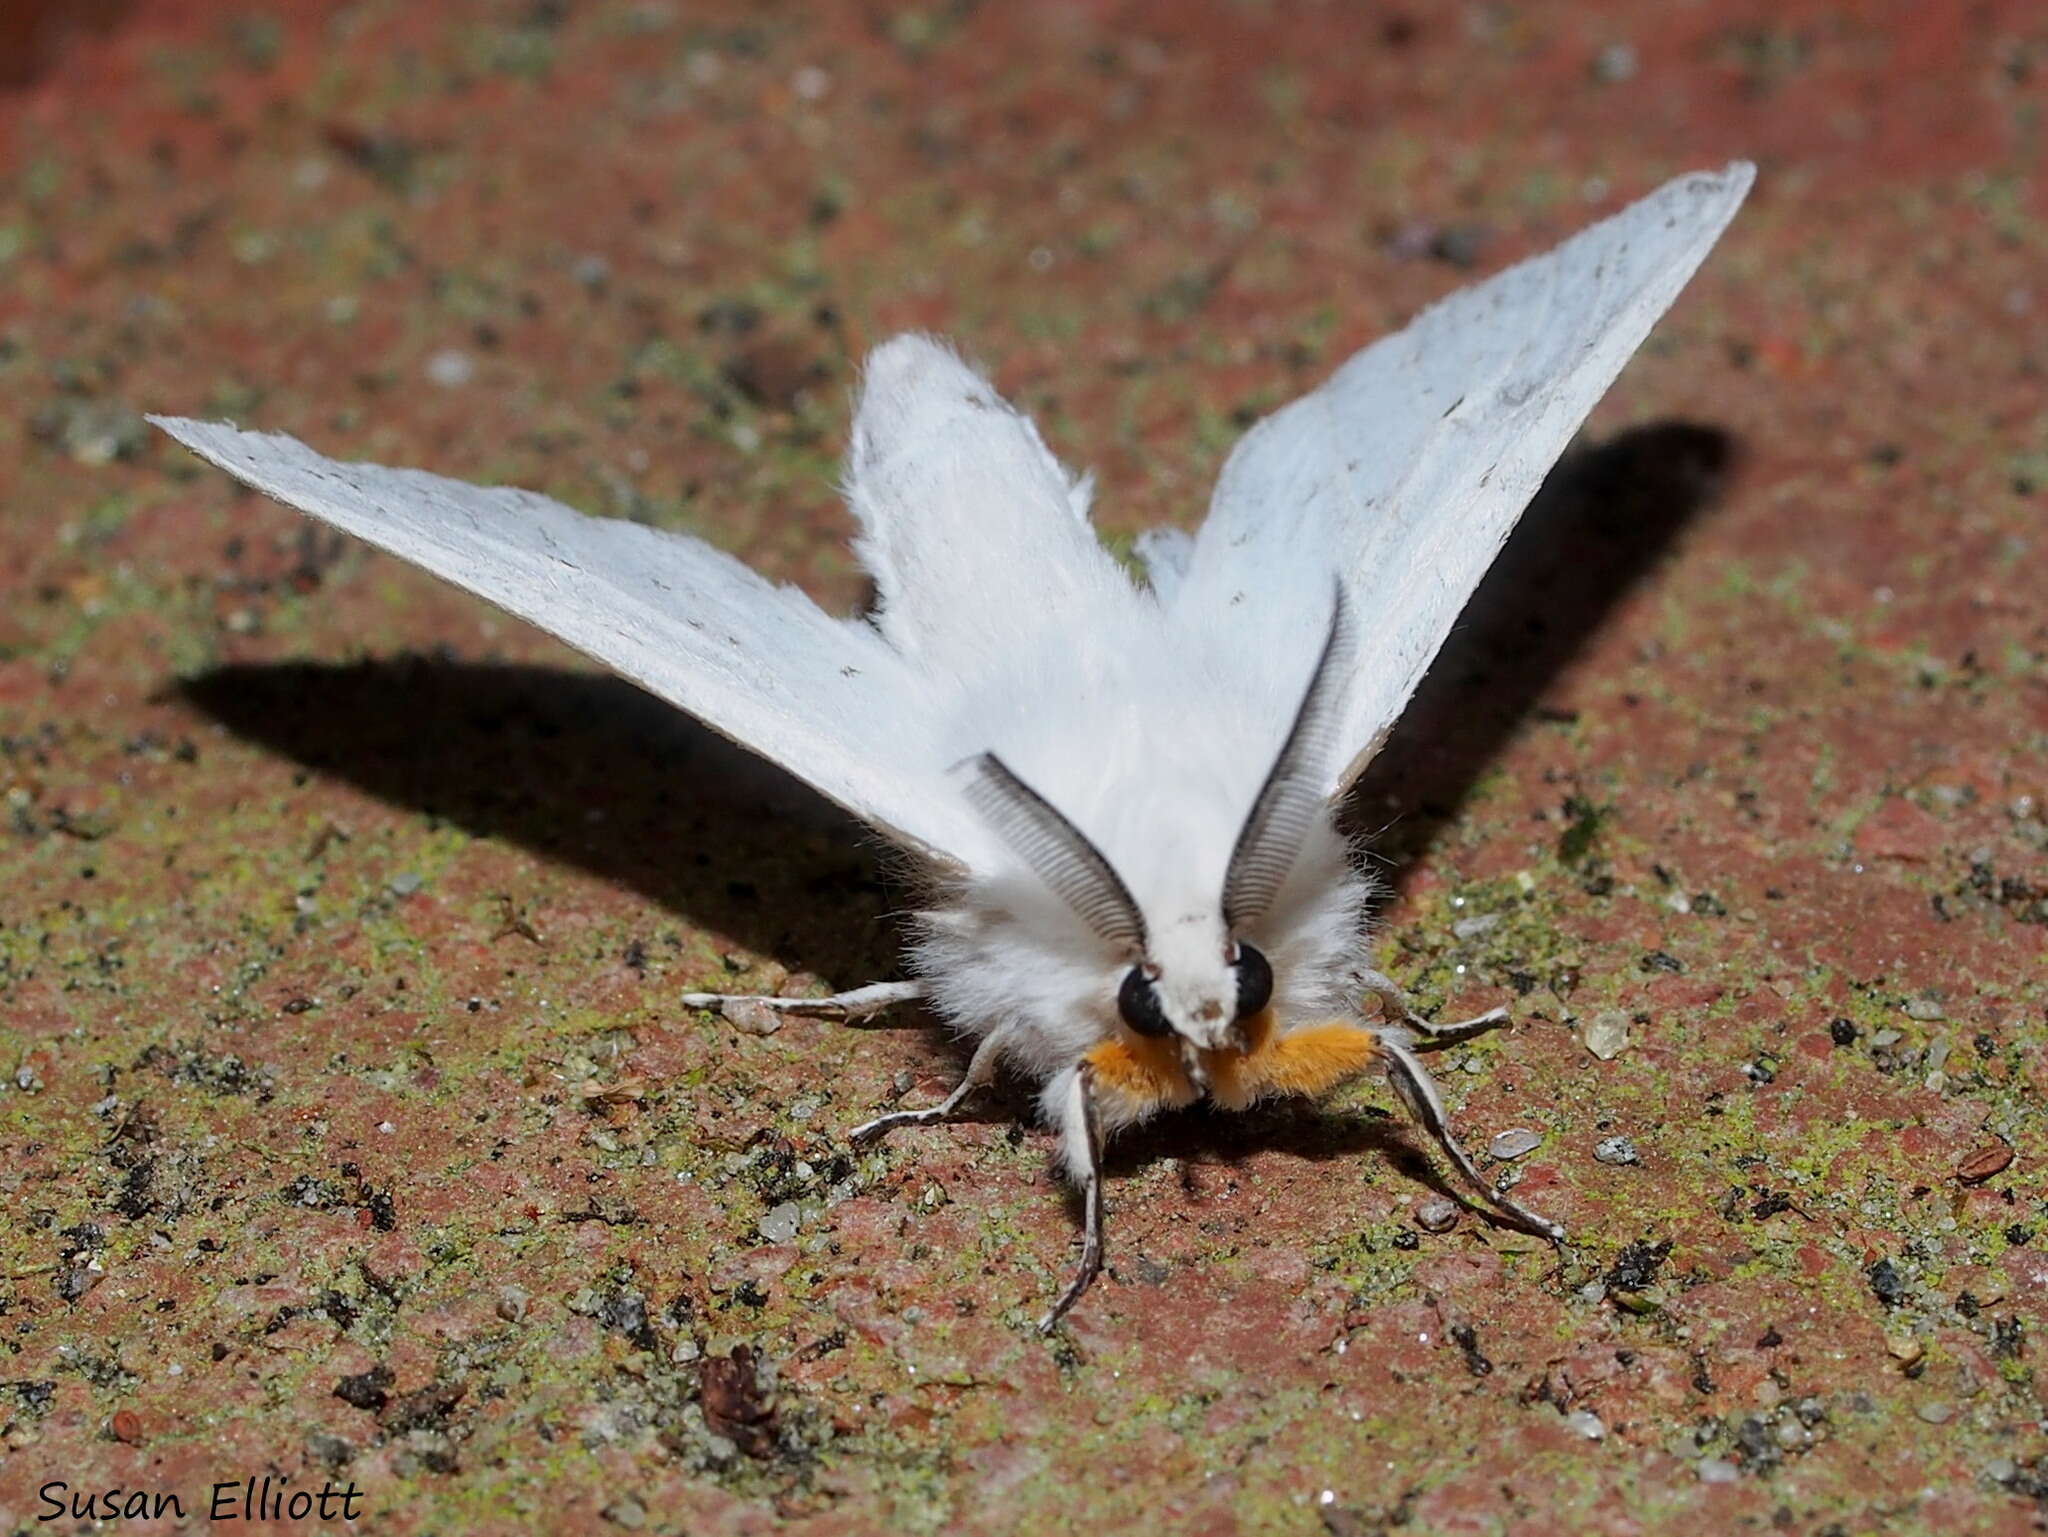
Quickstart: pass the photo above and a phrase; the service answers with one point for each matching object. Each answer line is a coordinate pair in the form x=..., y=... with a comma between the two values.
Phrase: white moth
x=1122, y=797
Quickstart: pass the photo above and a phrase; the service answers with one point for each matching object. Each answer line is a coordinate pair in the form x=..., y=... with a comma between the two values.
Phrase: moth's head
x=1192, y=975
x=1198, y=982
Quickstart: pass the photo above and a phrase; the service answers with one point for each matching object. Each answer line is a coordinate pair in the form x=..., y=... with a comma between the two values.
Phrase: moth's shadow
x=588, y=770
x=1313, y=1132
x=1202, y=1138
x=1605, y=516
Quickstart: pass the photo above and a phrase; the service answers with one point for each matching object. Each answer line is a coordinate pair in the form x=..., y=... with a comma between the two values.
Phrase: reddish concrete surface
x=350, y=1130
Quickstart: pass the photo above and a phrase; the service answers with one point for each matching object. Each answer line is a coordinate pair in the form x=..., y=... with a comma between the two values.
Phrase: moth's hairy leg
x=981, y=1068
x=852, y=1006
x=1418, y=1092
x=1081, y=1126
x=1396, y=1010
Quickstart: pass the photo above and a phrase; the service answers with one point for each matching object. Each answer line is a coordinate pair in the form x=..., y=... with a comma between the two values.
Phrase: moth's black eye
x=1138, y=1001
x=1254, y=982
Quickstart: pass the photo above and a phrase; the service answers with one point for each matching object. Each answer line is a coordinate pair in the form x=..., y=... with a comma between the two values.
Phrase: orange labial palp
x=1138, y=1077
x=1134, y=1078
x=1308, y=1060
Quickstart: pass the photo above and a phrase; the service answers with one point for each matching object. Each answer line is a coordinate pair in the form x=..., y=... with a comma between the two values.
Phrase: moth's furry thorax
x=1000, y=958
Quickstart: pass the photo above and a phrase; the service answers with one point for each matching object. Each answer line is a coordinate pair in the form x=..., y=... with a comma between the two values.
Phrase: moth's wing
x=824, y=698
x=975, y=535
x=1166, y=551
x=1407, y=469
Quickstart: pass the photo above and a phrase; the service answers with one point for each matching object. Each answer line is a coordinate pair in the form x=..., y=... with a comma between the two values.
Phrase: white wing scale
x=1408, y=468
x=825, y=698
x=976, y=536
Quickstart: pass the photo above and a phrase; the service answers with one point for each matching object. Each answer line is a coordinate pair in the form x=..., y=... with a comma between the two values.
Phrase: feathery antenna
x=1292, y=796
x=1057, y=851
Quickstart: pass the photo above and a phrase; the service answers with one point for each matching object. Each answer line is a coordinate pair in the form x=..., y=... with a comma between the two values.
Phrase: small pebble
x=93, y=432
x=1905, y=1348
x=1936, y=1413
x=750, y=1017
x=1437, y=1215
x=1585, y=1422
x=1717, y=1470
x=1617, y=1150
x=1514, y=1142
x=1614, y=64
x=330, y=1449
x=1606, y=1034
x=2001, y=1470
x=1924, y=1009
x=451, y=368
x=1992, y=1158
x=1792, y=1435
x=779, y=1223
x=627, y=1512
x=1641, y=1303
